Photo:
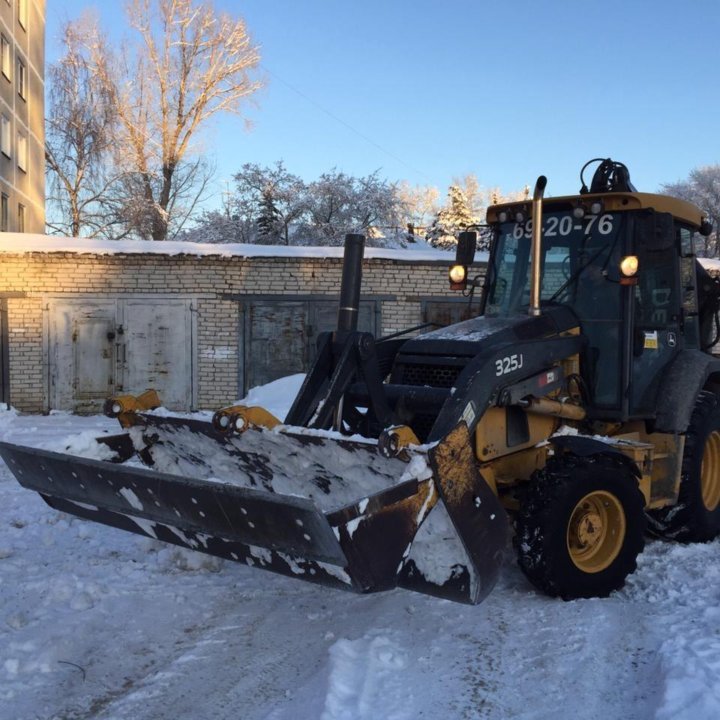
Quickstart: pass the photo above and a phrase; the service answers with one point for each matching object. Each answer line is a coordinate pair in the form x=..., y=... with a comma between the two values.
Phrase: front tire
x=696, y=515
x=580, y=526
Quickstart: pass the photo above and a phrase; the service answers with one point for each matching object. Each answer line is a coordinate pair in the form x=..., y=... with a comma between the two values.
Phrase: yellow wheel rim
x=596, y=531
x=710, y=471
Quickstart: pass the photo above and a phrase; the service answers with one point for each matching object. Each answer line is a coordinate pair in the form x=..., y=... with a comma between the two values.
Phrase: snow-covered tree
x=419, y=205
x=476, y=198
x=269, y=222
x=219, y=226
x=272, y=199
x=337, y=203
x=703, y=189
x=451, y=219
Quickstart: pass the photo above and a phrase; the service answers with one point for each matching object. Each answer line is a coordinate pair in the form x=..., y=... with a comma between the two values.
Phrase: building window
x=5, y=138
x=21, y=78
x=22, y=13
x=22, y=152
x=4, y=213
x=21, y=218
x=6, y=62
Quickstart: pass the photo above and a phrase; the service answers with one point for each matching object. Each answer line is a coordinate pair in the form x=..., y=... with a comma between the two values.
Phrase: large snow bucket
x=328, y=510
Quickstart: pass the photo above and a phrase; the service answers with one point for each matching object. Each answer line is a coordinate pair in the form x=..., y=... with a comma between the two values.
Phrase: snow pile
x=276, y=397
x=83, y=444
x=331, y=473
x=689, y=655
x=437, y=551
x=7, y=416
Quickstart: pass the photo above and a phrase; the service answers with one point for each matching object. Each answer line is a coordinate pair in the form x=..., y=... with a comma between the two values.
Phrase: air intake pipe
x=536, y=248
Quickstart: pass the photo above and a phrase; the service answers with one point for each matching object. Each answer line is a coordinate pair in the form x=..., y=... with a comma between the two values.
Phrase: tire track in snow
x=364, y=672
x=591, y=654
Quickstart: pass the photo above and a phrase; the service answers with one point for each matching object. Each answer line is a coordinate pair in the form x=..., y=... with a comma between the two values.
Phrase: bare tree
x=703, y=189
x=78, y=141
x=420, y=204
x=184, y=64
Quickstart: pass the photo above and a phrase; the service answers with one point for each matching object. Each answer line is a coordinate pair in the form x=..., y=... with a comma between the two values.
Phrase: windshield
x=579, y=264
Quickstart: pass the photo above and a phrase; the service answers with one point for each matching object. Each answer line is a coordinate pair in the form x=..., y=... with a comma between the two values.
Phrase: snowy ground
x=97, y=623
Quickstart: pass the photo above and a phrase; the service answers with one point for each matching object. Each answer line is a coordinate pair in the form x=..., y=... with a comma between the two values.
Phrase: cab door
x=657, y=332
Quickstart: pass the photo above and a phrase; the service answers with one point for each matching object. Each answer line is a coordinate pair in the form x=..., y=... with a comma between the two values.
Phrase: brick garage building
x=82, y=320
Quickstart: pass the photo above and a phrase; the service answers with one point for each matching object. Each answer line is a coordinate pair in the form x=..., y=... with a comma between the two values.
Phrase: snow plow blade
x=327, y=510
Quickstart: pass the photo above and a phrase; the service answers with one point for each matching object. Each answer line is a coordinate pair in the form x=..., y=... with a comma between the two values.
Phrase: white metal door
x=157, y=350
x=83, y=358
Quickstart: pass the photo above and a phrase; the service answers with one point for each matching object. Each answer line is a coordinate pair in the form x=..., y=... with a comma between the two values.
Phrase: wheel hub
x=590, y=528
x=710, y=472
x=596, y=531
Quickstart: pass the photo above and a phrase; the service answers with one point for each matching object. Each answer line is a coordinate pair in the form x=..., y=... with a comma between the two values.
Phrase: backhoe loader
x=576, y=411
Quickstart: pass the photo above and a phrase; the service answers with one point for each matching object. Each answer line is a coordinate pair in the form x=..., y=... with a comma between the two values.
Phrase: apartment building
x=22, y=116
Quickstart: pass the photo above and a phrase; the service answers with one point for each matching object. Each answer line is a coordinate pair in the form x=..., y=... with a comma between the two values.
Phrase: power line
x=345, y=124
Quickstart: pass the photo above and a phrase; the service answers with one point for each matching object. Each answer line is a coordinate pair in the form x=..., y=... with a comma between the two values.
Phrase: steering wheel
x=565, y=267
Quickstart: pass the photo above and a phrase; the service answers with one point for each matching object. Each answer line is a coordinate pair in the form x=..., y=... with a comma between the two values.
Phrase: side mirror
x=465, y=252
x=706, y=228
x=464, y=256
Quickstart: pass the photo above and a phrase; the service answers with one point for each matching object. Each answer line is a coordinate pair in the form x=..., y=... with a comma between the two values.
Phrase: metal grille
x=441, y=376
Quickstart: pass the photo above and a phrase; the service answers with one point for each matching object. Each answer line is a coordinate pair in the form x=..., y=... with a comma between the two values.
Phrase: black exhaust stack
x=350, y=285
x=343, y=357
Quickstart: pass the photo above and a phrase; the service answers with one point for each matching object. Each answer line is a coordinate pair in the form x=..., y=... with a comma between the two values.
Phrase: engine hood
x=468, y=338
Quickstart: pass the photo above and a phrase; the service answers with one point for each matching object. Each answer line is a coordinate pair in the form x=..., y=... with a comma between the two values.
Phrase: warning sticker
x=469, y=414
x=651, y=340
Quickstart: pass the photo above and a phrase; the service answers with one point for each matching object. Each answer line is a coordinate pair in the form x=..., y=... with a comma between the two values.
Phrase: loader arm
x=481, y=383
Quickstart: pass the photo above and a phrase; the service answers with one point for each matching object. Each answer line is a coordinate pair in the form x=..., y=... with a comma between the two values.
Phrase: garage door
x=279, y=337
x=98, y=348
x=157, y=350
x=83, y=353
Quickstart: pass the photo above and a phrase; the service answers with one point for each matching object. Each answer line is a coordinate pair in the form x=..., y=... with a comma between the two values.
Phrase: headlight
x=629, y=265
x=458, y=273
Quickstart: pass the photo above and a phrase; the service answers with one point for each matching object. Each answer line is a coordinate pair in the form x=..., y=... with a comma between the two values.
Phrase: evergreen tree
x=268, y=222
x=450, y=220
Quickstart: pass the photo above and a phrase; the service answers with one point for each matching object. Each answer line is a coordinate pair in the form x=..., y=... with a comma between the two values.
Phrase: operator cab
x=624, y=262
x=579, y=261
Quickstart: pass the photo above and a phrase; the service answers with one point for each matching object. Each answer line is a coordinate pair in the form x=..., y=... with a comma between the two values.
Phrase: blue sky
x=425, y=91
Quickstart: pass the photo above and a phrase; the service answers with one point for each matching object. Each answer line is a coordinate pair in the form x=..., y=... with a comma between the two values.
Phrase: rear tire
x=696, y=515
x=580, y=526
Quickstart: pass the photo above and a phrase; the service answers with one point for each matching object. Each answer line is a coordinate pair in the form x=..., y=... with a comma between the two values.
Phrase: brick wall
x=213, y=282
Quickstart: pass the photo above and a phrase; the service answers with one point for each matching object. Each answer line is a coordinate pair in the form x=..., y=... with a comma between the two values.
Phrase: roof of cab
x=612, y=202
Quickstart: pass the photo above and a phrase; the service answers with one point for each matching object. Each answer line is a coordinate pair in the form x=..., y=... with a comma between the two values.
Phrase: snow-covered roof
x=27, y=243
